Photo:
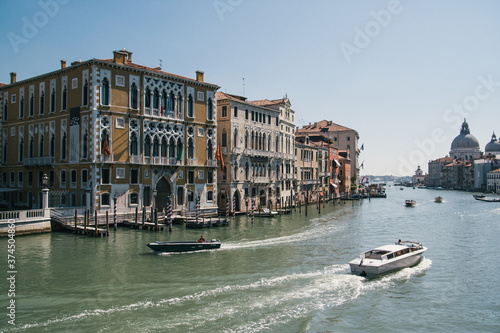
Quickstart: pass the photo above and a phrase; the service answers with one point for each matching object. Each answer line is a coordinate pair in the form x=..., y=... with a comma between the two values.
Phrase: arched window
x=247, y=170
x=64, y=98
x=179, y=149
x=171, y=148
x=156, y=99
x=64, y=144
x=42, y=103
x=163, y=147
x=210, y=150
x=85, y=93
x=155, y=146
x=40, y=146
x=32, y=147
x=190, y=106
x=147, y=98
x=235, y=139
x=190, y=148
x=178, y=105
x=134, y=96
x=170, y=102
x=133, y=144
x=224, y=138
x=21, y=107
x=85, y=149
x=53, y=101
x=105, y=92
x=21, y=150
x=147, y=146
x=52, y=150
x=246, y=139
x=164, y=97
x=210, y=109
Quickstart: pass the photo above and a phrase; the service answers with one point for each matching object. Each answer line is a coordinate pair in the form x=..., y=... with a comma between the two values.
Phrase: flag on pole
x=105, y=147
x=218, y=157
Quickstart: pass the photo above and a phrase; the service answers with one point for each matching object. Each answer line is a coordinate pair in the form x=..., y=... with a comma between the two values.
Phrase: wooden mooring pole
x=76, y=219
x=95, y=222
x=107, y=222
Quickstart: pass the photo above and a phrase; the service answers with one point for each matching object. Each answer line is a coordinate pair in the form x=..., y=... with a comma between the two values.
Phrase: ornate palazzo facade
x=106, y=130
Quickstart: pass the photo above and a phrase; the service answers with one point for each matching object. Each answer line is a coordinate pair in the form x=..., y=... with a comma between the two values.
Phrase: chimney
x=199, y=76
x=13, y=77
x=63, y=64
x=122, y=56
x=119, y=57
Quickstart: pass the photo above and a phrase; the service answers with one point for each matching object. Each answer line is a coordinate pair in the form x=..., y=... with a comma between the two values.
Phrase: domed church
x=465, y=146
x=492, y=147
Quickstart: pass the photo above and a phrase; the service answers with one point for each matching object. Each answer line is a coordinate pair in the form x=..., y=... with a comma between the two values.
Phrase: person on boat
x=399, y=242
x=201, y=240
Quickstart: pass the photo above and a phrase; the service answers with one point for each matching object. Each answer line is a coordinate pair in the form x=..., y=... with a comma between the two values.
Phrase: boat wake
x=283, y=299
x=319, y=228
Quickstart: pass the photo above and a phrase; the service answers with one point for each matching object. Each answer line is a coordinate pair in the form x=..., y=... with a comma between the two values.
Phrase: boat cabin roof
x=390, y=248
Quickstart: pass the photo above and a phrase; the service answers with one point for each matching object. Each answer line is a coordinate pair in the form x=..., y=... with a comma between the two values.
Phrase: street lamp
x=45, y=181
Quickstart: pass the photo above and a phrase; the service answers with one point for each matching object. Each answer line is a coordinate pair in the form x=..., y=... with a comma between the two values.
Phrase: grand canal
x=286, y=274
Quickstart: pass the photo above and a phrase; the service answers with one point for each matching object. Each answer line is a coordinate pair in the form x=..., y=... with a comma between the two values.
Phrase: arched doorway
x=262, y=198
x=163, y=192
x=237, y=198
x=221, y=202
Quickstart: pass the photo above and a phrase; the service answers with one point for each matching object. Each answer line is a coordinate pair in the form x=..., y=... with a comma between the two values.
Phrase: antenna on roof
x=160, y=63
x=243, y=87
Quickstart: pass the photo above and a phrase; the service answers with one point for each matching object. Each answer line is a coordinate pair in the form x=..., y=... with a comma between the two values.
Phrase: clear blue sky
x=397, y=72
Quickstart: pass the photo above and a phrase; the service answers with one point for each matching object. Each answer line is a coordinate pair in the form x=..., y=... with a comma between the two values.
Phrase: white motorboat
x=387, y=258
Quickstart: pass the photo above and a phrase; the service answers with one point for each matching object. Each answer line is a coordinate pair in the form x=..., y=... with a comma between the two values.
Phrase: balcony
x=192, y=161
x=261, y=180
x=135, y=159
x=278, y=155
x=35, y=161
x=237, y=150
x=105, y=158
x=212, y=163
x=161, y=160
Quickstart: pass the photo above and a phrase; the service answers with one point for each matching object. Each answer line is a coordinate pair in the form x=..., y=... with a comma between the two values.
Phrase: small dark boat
x=438, y=199
x=184, y=246
x=410, y=203
x=484, y=198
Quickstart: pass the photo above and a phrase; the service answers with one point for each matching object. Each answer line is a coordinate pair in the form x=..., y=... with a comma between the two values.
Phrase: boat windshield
x=375, y=254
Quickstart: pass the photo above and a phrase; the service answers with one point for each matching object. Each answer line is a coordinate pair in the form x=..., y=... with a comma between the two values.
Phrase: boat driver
x=201, y=240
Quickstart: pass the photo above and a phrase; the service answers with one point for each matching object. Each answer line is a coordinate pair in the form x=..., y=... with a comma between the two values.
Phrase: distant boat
x=482, y=197
x=438, y=199
x=410, y=203
x=401, y=188
x=266, y=212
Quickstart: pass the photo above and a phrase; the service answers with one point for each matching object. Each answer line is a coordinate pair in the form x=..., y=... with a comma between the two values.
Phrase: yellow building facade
x=107, y=130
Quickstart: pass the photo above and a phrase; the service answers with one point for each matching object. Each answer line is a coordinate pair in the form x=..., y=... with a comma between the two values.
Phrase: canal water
x=283, y=274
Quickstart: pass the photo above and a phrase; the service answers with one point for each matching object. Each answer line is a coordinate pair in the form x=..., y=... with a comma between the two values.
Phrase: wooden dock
x=83, y=230
x=143, y=226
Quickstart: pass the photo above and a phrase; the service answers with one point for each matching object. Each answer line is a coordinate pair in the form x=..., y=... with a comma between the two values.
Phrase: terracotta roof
x=329, y=125
x=222, y=95
x=2, y=84
x=496, y=171
x=266, y=102
x=240, y=99
x=443, y=159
